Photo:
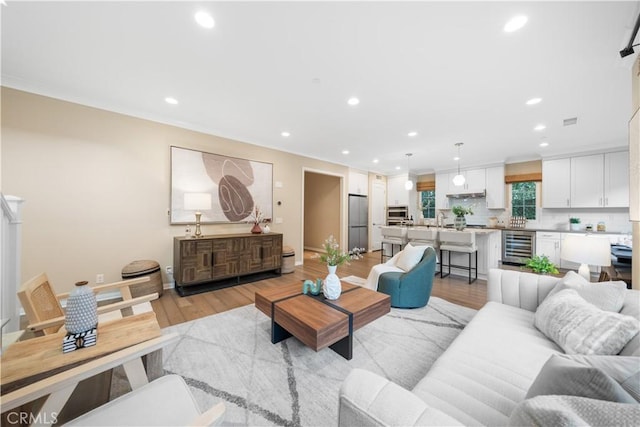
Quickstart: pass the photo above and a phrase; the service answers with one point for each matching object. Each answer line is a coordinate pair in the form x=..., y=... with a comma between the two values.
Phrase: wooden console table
x=222, y=260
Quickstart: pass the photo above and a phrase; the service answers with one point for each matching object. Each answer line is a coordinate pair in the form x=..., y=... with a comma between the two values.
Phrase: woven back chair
x=40, y=302
x=44, y=312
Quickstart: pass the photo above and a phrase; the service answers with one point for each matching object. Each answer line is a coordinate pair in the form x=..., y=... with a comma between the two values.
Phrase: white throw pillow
x=410, y=257
x=607, y=296
x=582, y=328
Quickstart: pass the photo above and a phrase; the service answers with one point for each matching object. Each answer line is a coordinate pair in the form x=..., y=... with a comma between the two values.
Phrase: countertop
x=487, y=230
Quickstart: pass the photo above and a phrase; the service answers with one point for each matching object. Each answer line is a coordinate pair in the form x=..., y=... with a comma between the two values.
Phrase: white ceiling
x=444, y=69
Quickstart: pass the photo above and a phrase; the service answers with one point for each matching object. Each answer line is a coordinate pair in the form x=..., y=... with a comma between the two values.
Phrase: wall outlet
x=168, y=269
x=99, y=278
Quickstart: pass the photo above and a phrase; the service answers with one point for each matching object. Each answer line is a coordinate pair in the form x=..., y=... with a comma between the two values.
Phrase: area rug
x=229, y=357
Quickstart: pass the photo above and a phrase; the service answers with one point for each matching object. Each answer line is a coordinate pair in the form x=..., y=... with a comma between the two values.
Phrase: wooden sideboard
x=224, y=260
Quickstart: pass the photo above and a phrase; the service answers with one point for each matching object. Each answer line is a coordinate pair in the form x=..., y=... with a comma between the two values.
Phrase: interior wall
x=96, y=186
x=322, y=207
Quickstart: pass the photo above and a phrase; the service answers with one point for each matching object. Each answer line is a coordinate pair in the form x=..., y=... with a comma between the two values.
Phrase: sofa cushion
x=564, y=376
x=573, y=411
x=625, y=370
x=410, y=257
x=631, y=307
x=489, y=367
x=582, y=328
x=607, y=296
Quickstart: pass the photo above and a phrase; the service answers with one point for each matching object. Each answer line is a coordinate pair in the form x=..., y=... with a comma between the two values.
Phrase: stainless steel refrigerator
x=358, y=222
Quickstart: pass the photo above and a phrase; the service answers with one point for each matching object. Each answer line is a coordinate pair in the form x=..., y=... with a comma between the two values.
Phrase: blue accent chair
x=411, y=289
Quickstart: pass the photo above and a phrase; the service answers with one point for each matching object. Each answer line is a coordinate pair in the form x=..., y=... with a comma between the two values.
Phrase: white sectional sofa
x=484, y=374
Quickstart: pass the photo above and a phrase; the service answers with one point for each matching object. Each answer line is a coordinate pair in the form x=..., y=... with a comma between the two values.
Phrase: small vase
x=256, y=229
x=332, y=287
x=460, y=223
x=82, y=309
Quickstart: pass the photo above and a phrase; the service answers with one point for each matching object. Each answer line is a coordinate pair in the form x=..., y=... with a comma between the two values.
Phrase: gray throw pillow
x=582, y=328
x=563, y=376
x=607, y=296
x=624, y=369
x=573, y=411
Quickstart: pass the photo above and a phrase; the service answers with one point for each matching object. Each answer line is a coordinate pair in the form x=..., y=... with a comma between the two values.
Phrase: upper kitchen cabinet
x=556, y=183
x=587, y=182
x=495, y=187
x=398, y=195
x=358, y=183
x=616, y=180
x=474, y=182
x=593, y=181
x=442, y=189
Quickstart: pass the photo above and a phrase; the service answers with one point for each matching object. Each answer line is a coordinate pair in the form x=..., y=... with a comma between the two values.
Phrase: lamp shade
x=592, y=250
x=586, y=250
x=197, y=201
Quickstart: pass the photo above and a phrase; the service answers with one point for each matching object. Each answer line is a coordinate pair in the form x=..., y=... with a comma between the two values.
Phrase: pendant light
x=409, y=184
x=458, y=180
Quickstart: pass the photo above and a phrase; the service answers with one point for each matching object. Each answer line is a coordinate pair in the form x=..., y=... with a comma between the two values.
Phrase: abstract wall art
x=236, y=186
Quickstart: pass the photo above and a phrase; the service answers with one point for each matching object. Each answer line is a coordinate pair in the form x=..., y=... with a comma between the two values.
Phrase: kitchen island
x=488, y=241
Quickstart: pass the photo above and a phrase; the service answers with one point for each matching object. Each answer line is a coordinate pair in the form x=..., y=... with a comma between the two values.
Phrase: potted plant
x=335, y=257
x=574, y=224
x=460, y=211
x=541, y=264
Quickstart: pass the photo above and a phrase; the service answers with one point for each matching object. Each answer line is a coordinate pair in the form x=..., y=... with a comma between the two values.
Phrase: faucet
x=440, y=219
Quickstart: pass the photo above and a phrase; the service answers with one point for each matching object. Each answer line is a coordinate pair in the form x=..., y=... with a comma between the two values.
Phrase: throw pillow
x=410, y=257
x=607, y=296
x=624, y=369
x=563, y=376
x=582, y=328
x=573, y=411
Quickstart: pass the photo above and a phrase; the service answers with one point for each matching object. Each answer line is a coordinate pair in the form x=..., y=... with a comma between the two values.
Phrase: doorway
x=323, y=209
x=378, y=213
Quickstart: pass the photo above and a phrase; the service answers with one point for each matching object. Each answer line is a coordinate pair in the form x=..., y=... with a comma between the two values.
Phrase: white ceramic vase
x=82, y=309
x=332, y=287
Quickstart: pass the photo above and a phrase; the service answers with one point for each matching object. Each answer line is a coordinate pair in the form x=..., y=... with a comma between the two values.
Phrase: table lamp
x=586, y=250
x=197, y=202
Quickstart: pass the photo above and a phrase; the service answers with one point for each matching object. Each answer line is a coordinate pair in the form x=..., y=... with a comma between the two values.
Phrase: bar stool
x=420, y=236
x=458, y=241
x=393, y=236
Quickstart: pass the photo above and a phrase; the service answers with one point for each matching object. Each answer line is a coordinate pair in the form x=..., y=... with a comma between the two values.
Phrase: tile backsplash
x=615, y=219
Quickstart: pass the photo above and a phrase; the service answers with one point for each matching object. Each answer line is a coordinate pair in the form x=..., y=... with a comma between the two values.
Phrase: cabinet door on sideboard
x=271, y=252
x=195, y=260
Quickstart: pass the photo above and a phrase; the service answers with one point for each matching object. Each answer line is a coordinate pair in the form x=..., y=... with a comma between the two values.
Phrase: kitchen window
x=428, y=203
x=523, y=199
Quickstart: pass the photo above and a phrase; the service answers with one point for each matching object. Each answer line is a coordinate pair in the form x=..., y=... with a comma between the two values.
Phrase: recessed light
x=204, y=19
x=398, y=168
x=375, y=160
x=540, y=127
x=285, y=134
x=412, y=134
x=456, y=158
x=544, y=144
x=345, y=151
x=534, y=101
x=353, y=101
x=515, y=23
x=170, y=100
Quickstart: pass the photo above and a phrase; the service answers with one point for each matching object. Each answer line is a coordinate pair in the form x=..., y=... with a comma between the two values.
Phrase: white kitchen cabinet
x=474, y=181
x=548, y=243
x=442, y=189
x=398, y=195
x=495, y=187
x=616, y=180
x=556, y=183
x=587, y=181
x=358, y=183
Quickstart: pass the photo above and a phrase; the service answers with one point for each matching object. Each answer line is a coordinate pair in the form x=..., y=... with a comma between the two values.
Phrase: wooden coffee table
x=317, y=321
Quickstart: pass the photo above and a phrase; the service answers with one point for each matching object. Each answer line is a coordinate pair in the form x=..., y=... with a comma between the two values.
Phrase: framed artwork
x=221, y=188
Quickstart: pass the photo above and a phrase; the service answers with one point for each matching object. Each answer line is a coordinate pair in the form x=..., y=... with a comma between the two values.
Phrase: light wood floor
x=171, y=309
